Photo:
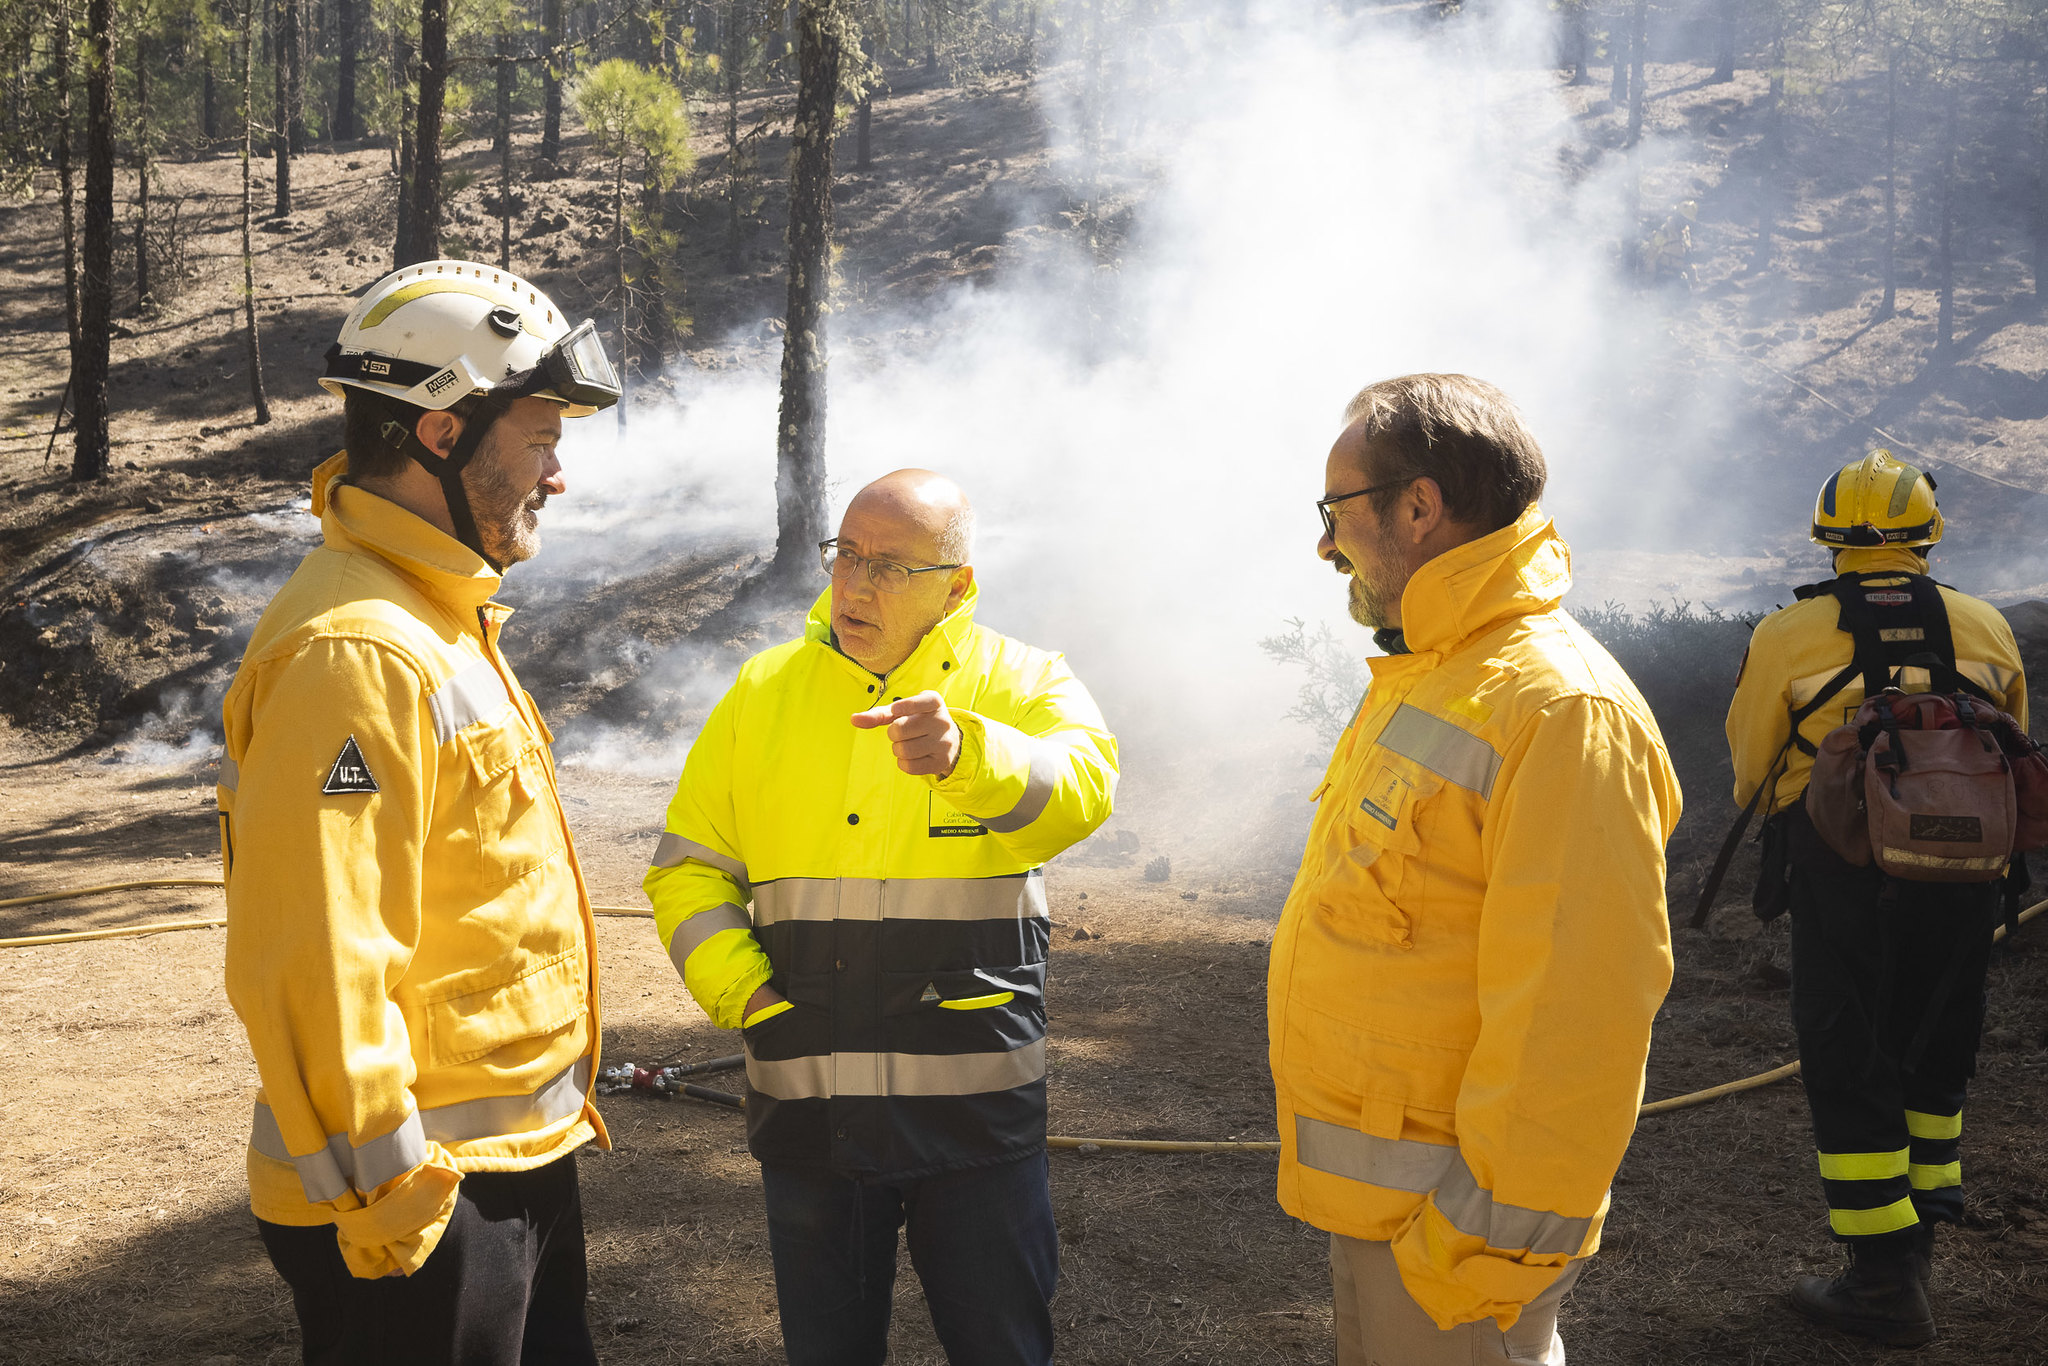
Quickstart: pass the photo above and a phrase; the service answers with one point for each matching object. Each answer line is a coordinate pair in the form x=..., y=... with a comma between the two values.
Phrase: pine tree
x=96, y=269
x=634, y=114
x=253, y=344
x=800, y=429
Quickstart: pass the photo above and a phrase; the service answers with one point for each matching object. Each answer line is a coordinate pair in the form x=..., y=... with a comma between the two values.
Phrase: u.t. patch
x=350, y=773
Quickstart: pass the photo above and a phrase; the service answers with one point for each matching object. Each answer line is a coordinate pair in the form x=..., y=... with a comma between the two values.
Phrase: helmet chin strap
x=448, y=470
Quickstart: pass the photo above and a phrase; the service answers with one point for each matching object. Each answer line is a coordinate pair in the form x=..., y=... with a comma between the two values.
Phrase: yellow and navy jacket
x=409, y=939
x=1466, y=969
x=1796, y=652
x=903, y=918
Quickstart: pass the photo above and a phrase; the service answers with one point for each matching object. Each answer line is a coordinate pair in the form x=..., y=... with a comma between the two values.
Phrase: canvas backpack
x=1932, y=787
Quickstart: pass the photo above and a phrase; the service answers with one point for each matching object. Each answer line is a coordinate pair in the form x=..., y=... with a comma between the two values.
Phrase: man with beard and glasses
x=410, y=944
x=1465, y=972
x=884, y=793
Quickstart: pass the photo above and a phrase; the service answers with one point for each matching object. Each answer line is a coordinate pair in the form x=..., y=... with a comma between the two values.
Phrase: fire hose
x=665, y=1082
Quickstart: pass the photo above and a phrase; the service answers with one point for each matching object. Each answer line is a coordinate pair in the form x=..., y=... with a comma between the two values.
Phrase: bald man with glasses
x=851, y=876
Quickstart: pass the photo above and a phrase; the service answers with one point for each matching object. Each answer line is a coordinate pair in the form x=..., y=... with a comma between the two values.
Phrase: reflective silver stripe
x=338, y=1167
x=1472, y=1209
x=673, y=849
x=1449, y=751
x=896, y=1074
x=1046, y=763
x=490, y=1116
x=472, y=695
x=904, y=898
x=1399, y=1164
x=701, y=927
x=230, y=775
x=1405, y=1165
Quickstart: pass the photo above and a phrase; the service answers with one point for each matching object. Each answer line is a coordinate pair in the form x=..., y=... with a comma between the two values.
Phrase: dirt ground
x=127, y=1240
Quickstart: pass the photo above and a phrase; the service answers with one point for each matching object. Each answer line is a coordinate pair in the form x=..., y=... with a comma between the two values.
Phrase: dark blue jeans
x=982, y=1241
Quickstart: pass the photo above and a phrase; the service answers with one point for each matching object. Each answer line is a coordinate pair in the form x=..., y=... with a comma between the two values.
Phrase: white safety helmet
x=432, y=334
x=436, y=333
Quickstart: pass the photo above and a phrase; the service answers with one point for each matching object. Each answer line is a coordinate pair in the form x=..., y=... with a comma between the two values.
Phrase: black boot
x=1923, y=1254
x=1880, y=1296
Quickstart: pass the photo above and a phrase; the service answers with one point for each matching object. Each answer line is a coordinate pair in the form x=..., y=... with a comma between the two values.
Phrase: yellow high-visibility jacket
x=1465, y=972
x=1796, y=651
x=409, y=939
x=903, y=917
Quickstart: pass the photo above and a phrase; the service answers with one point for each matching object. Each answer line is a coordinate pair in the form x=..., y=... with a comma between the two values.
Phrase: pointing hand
x=921, y=731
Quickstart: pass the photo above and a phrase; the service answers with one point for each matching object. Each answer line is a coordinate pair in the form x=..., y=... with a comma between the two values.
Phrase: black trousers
x=1888, y=1001
x=504, y=1286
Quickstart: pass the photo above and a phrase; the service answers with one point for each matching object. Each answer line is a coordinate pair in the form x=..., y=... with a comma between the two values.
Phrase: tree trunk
x=141, y=170
x=254, y=350
x=1888, y=257
x=67, y=179
x=1945, y=256
x=502, y=70
x=96, y=274
x=1031, y=37
x=737, y=176
x=280, y=134
x=209, y=99
x=347, y=39
x=861, y=143
x=1617, y=40
x=2041, y=211
x=551, y=82
x=1773, y=148
x=504, y=150
x=1726, y=22
x=625, y=346
x=401, y=253
x=291, y=41
x=1638, y=40
x=800, y=431
x=1577, y=39
x=425, y=238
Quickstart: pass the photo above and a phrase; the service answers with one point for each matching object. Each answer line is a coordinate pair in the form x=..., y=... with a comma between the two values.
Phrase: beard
x=505, y=514
x=1371, y=599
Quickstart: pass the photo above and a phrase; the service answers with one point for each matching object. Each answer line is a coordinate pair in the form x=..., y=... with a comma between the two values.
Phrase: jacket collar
x=1522, y=569
x=937, y=654
x=354, y=519
x=1877, y=560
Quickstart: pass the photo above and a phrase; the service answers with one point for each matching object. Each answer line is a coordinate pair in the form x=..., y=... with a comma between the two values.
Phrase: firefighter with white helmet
x=1887, y=975
x=409, y=934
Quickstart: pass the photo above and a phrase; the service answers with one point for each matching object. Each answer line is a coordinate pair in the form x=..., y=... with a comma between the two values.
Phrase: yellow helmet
x=1877, y=501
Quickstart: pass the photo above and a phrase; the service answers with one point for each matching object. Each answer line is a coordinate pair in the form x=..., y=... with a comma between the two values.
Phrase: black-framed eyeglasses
x=886, y=575
x=1326, y=506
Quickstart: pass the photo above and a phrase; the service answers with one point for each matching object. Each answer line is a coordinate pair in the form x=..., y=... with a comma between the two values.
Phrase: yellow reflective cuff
x=999, y=998
x=1854, y=1223
x=766, y=1013
x=1929, y=1177
x=1923, y=1125
x=1863, y=1166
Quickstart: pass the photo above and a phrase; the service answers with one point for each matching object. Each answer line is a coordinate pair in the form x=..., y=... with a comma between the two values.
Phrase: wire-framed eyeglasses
x=886, y=575
x=1327, y=506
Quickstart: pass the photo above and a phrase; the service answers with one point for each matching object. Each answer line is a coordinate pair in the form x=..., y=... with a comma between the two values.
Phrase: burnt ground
x=127, y=1240
x=120, y=1187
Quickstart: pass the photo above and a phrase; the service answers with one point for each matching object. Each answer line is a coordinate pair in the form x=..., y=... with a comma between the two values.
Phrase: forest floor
x=124, y=604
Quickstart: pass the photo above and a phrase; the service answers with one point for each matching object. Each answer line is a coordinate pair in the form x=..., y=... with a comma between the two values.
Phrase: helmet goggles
x=575, y=370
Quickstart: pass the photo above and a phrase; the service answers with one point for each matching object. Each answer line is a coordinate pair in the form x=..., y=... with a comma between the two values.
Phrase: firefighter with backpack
x=1888, y=969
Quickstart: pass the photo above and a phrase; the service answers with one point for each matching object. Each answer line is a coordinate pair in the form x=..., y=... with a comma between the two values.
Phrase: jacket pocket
x=516, y=828
x=1377, y=1076
x=1370, y=866
x=467, y=1022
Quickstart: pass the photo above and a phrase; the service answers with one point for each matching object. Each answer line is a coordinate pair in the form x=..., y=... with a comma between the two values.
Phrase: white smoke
x=1331, y=200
